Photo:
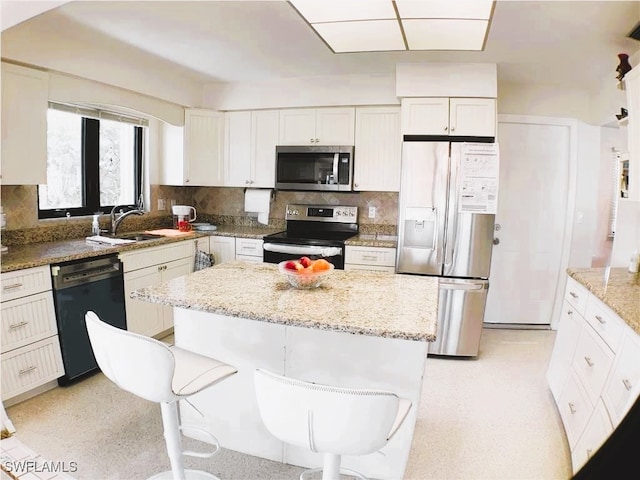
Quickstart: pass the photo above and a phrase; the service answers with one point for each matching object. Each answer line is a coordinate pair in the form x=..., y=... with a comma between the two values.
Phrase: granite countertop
x=616, y=287
x=38, y=254
x=373, y=240
x=406, y=306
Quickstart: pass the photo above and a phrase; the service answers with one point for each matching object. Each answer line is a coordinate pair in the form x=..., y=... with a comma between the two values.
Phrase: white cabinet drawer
x=575, y=409
x=564, y=349
x=28, y=319
x=28, y=367
x=25, y=282
x=604, y=321
x=595, y=433
x=249, y=246
x=146, y=257
x=623, y=383
x=249, y=258
x=382, y=256
x=592, y=362
x=374, y=268
x=576, y=295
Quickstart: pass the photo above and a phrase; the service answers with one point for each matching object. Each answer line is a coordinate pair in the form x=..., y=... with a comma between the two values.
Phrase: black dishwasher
x=95, y=284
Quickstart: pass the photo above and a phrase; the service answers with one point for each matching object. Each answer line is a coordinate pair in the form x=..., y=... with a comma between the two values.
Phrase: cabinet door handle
x=573, y=295
x=453, y=129
x=589, y=452
x=12, y=286
x=18, y=325
x=569, y=312
x=369, y=257
x=446, y=128
x=312, y=140
x=588, y=360
x=600, y=319
x=27, y=370
x=572, y=408
x=247, y=182
x=627, y=384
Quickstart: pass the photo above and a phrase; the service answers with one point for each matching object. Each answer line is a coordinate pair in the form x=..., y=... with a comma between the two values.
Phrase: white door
x=535, y=158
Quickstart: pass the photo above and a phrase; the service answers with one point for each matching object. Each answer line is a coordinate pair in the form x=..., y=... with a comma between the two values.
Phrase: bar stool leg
x=331, y=467
x=171, y=424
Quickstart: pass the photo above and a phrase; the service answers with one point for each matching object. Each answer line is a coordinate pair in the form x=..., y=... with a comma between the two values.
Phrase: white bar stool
x=334, y=421
x=159, y=373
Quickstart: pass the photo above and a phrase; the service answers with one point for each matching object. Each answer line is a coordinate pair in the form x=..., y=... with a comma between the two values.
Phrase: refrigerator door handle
x=459, y=286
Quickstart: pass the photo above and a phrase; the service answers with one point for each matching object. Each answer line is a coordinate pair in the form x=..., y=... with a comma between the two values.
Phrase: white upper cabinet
x=203, y=147
x=317, y=126
x=25, y=97
x=250, y=148
x=449, y=116
x=193, y=155
x=378, y=145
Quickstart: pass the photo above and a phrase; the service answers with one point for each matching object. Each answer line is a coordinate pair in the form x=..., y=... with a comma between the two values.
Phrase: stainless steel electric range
x=315, y=231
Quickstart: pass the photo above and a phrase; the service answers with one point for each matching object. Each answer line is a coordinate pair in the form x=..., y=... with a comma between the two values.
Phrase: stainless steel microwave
x=314, y=167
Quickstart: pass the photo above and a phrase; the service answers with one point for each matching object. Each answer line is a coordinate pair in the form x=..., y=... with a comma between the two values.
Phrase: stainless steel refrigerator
x=437, y=237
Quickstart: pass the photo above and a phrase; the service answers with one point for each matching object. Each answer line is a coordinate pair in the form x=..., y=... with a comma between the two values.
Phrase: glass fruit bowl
x=306, y=277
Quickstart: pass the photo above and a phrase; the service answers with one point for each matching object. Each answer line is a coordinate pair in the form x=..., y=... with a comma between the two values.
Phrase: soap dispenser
x=95, y=226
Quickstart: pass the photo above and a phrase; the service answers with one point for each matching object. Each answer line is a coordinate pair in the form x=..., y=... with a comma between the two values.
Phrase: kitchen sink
x=138, y=237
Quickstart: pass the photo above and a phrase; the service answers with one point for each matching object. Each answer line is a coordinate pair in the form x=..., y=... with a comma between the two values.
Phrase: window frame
x=90, y=165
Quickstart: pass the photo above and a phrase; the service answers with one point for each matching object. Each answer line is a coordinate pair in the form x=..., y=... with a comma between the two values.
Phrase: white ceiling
x=565, y=43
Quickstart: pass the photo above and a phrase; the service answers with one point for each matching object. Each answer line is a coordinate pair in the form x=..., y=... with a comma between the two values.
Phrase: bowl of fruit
x=306, y=273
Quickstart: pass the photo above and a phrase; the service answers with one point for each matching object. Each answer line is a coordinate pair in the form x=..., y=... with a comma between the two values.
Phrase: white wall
x=302, y=92
x=543, y=100
x=64, y=88
x=87, y=54
x=586, y=199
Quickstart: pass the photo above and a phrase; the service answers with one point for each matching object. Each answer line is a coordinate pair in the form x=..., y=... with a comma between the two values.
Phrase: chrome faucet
x=115, y=222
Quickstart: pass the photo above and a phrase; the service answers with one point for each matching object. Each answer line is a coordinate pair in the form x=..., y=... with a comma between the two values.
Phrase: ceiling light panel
x=369, y=36
x=315, y=11
x=442, y=34
x=473, y=9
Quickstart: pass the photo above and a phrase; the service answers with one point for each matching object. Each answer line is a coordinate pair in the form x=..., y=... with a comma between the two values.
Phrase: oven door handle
x=302, y=249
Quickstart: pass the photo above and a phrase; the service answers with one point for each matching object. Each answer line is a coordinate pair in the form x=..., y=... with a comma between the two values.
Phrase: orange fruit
x=320, y=265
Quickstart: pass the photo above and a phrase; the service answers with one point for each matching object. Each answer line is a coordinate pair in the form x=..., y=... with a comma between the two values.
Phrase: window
x=94, y=161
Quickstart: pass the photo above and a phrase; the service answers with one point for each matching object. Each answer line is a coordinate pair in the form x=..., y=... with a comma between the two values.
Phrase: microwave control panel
x=322, y=213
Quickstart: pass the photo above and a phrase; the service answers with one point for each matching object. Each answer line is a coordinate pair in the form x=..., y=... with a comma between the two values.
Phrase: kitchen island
x=359, y=329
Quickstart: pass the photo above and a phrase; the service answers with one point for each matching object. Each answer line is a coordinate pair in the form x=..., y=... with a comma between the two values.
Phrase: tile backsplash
x=213, y=204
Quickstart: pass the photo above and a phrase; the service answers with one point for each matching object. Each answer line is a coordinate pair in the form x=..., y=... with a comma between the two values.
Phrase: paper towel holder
x=273, y=192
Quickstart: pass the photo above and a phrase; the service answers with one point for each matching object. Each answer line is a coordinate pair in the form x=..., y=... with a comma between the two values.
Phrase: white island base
x=358, y=361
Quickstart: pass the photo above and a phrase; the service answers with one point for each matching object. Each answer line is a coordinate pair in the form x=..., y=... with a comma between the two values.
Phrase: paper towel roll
x=258, y=201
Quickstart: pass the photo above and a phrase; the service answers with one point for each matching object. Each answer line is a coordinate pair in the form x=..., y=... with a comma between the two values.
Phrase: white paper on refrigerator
x=479, y=176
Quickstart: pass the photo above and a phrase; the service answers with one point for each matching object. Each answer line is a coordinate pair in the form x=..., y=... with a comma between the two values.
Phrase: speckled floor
x=490, y=418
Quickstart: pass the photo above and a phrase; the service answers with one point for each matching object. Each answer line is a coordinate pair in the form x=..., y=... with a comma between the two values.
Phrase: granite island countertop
x=360, y=302
x=616, y=287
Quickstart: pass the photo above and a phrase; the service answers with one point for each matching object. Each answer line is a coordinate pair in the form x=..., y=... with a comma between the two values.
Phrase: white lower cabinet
x=594, y=372
x=623, y=383
x=596, y=431
x=223, y=249
x=249, y=249
x=148, y=267
x=29, y=334
x=564, y=349
x=381, y=259
x=202, y=245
